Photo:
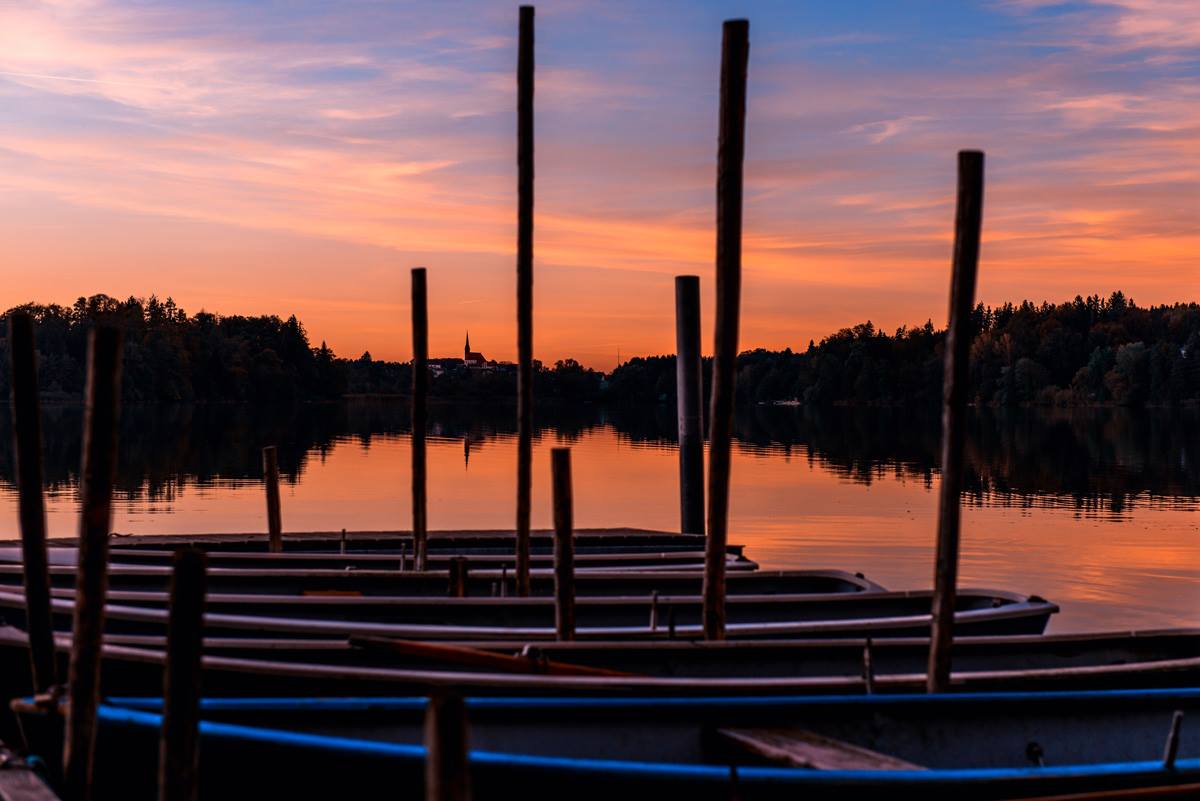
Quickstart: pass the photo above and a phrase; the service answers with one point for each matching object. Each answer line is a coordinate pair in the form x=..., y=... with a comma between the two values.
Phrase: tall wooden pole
x=179, y=749
x=967, y=223
x=524, y=295
x=274, y=517
x=447, y=755
x=420, y=388
x=564, y=544
x=100, y=418
x=27, y=446
x=689, y=390
x=731, y=147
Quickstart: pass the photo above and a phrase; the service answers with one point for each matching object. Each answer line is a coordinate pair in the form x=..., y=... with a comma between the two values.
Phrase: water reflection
x=1093, y=509
x=1095, y=461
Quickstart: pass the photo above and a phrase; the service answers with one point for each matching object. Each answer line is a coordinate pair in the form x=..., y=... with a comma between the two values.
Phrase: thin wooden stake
x=967, y=224
x=100, y=419
x=447, y=758
x=735, y=49
x=868, y=668
x=27, y=447
x=458, y=577
x=689, y=386
x=1171, y=750
x=179, y=748
x=524, y=295
x=420, y=387
x=564, y=544
x=274, y=518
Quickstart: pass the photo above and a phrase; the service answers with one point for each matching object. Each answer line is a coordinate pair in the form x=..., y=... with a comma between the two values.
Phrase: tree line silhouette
x=171, y=357
x=1089, y=351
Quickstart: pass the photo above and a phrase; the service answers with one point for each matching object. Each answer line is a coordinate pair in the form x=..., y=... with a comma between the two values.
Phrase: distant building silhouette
x=473, y=358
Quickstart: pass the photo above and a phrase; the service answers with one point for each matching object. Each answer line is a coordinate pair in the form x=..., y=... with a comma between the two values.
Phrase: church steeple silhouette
x=467, y=347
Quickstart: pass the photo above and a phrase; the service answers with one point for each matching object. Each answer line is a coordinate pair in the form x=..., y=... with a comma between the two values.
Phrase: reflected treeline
x=1097, y=460
x=1092, y=459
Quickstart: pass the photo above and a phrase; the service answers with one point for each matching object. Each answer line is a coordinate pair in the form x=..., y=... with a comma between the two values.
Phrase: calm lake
x=1096, y=510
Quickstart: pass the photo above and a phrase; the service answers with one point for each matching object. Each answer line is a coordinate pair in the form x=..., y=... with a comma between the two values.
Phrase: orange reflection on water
x=1137, y=569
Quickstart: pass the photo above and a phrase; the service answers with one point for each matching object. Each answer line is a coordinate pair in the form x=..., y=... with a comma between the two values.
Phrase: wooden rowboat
x=303, y=581
x=325, y=668
x=978, y=745
x=477, y=540
x=638, y=560
x=744, y=659
x=895, y=614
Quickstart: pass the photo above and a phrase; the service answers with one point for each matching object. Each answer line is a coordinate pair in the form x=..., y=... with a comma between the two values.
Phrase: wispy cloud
x=306, y=153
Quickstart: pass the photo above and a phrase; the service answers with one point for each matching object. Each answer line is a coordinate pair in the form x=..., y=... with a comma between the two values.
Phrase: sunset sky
x=300, y=157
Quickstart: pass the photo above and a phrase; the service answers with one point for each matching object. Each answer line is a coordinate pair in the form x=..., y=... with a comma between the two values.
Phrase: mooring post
x=274, y=519
x=731, y=147
x=1171, y=749
x=564, y=544
x=524, y=295
x=457, y=577
x=447, y=760
x=420, y=388
x=868, y=668
x=689, y=389
x=967, y=223
x=31, y=508
x=179, y=750
x=100, y=419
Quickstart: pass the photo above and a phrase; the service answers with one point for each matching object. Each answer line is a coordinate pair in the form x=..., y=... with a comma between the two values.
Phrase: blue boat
x=975, y=745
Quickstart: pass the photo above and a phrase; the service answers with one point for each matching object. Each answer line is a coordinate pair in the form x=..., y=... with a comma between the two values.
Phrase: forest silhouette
x=1089, y=351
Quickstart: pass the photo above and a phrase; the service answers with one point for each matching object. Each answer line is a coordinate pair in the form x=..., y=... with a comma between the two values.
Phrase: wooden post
x=1171, y=749
x=458, y=577
x=564, y=544
x=967, y=223
x=689, y=389
x=524, y=295
x=27, y=448
x=178, y=751
x=735, y=47
x=447, y=758
x=274, y=520
x=100, y=418
x=420, y=386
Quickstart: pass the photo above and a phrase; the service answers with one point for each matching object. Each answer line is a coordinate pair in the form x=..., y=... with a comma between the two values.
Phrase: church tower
x=467, y=347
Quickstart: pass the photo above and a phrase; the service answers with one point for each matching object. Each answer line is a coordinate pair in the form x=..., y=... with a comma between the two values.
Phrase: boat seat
x=800, y=748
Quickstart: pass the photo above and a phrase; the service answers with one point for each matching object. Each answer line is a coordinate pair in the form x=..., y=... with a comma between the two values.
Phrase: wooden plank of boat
x=749, y=615
x=464, y=656
x=301, y=581
x=1018, y=614
x=800, y=748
